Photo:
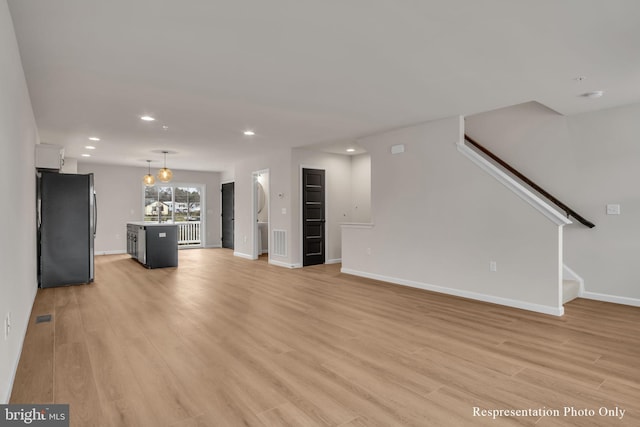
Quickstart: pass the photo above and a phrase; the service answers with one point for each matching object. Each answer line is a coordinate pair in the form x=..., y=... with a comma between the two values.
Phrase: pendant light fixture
x=148, y=179
x=165, y=173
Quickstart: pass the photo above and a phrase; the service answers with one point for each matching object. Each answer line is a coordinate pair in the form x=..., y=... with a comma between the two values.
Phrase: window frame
x=203, y=203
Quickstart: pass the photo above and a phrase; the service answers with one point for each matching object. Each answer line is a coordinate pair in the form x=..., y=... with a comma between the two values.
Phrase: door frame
x=301, y=214
x=255, y=251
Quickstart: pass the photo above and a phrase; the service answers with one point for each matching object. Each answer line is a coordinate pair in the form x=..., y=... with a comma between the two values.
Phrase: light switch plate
x=397, y=149
x=613, y=209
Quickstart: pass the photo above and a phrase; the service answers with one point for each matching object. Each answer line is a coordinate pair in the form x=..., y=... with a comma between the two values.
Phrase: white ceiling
x=304, y=72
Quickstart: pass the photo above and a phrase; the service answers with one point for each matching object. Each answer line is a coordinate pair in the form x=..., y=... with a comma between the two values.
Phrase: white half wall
x=18, y=137
x=440, y=221
x=120, y=200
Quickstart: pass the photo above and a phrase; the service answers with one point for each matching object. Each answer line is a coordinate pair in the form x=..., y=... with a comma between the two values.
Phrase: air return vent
x=280, y=243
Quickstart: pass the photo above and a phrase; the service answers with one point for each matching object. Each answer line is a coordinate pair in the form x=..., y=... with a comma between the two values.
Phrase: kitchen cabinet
x=154, y=245
x=49, y=157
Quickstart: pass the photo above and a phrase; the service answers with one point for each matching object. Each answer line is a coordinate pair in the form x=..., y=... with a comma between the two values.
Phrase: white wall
x=533, y=139
x=18, y=136
x=606, y=149
x=227, y=176
x=337, y=198
x=284, y=179
x=587, y=161
x=120, y=199
x=278, y=163
x=361, y=188
x=439, y=221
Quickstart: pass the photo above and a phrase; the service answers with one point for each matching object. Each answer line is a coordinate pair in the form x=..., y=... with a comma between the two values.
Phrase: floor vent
x=280, y=243
x=44, y=318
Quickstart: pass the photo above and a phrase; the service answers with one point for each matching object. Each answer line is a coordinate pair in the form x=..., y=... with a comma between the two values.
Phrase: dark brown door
x=313, y=219
x=227, y=215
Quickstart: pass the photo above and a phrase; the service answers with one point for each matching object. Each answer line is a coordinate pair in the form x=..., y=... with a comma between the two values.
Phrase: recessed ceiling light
x=86, y=155
x=249, y=133
x=593, y=94
x=147, y=118
x=94, y=138
x=350, y=150
x=89, y=147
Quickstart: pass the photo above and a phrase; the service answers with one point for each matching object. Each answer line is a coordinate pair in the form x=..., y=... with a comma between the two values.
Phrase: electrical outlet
x=493, y=266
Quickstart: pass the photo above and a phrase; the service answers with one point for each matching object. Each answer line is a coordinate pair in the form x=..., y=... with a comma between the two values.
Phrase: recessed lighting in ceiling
x=89, y=147
x=94, y=138
x=147, y=118
x=593, y=94
x=86, y=155
x=249, y=133
x=351, y=150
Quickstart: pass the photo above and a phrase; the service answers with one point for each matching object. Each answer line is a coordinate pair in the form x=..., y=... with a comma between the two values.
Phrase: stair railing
x=568, y=211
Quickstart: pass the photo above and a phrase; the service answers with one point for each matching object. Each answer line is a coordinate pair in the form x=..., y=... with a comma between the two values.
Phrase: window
x=168, y=203
x=187, y=204
x=158, y=203
x=180, y=204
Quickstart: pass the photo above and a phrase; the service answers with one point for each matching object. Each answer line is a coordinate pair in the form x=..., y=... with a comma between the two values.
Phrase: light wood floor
x=223, y=341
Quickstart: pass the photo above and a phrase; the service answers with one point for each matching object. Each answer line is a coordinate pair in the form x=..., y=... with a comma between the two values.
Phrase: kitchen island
x=154, y=245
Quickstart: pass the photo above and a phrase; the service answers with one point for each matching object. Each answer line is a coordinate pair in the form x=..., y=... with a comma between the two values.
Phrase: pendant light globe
x=148, y=179
x=165, y=173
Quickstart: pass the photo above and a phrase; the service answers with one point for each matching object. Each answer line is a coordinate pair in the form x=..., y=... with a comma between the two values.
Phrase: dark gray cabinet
x=153, y=245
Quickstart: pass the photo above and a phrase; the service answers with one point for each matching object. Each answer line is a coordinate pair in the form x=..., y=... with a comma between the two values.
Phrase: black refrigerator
x=66, y=229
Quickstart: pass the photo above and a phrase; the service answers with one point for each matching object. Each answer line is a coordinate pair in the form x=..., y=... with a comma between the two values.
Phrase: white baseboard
x=241, y=255
x=611, y=298
x=333, y=261
x=284, y=264
x=545, y=309
x=213, y=246
x=116, y=252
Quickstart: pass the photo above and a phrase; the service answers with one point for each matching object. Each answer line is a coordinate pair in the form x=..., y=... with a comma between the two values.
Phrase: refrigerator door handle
x=95, y=214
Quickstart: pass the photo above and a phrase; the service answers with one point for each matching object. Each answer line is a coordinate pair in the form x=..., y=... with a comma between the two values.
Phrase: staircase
x=572, y=285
